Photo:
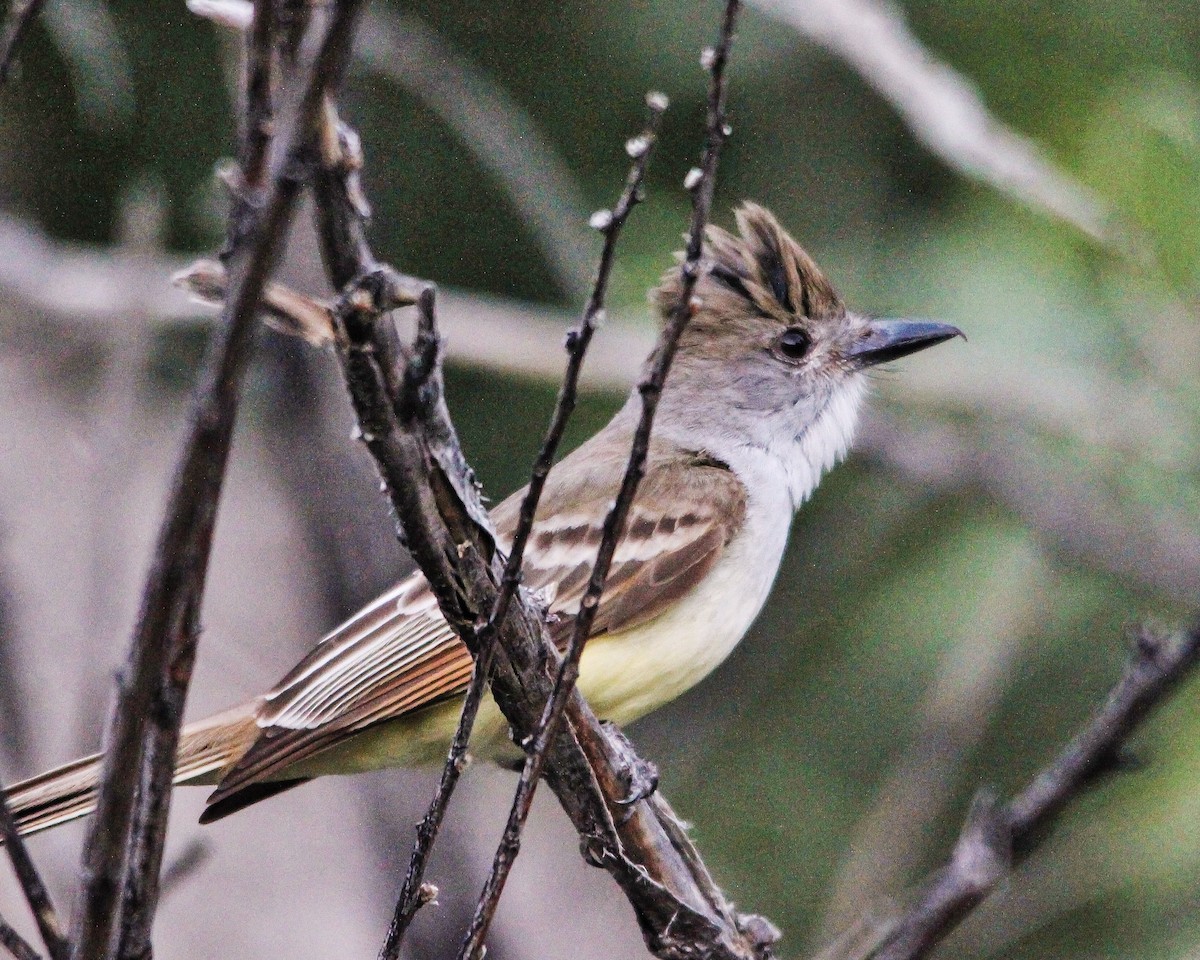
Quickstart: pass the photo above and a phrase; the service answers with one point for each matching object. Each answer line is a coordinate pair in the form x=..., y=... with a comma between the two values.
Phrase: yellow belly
x=623, y=675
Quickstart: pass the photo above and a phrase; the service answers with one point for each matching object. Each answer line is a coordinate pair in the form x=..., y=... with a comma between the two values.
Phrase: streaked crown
x=754, y=283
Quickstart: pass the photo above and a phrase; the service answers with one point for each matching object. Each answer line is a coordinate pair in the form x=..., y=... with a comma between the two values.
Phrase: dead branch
x=406, y=51
x=414, y=892
x=36, y=894
x=397, y=396
x=701, y=182
x=123, y=852
x=15, y=944
x=416, y=451
x=994, y=835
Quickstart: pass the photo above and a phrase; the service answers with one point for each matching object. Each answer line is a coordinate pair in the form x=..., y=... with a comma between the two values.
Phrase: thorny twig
x=415, y=892
x=16, y=25
x=36, y=894
x=152, y=689
x=701, y=182
x=993, y=835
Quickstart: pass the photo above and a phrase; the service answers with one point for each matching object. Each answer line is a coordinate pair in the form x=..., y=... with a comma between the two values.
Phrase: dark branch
x=141, y=887
x=36, y=894
x=398, y=400
x=16, y=25
x=430, y=488
x=144, y=731
x=414, y=893
x=994, y=835
x=259, y=111
x=15, y=944
x=650, y=390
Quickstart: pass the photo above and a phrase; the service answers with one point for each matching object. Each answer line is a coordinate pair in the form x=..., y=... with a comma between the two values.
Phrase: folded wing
x=398, y=654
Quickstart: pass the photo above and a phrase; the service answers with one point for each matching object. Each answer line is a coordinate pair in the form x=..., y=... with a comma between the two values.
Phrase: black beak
x=891, y=339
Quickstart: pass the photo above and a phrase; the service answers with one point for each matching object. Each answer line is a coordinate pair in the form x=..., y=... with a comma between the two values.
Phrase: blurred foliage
x=779, y=757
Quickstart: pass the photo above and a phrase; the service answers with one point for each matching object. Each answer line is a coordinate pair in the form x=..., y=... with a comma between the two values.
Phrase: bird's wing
x=394, y=656
x=398, y=654
x=687, y=509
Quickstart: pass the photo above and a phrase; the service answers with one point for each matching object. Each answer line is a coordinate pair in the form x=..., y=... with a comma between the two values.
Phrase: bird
x=762, y=400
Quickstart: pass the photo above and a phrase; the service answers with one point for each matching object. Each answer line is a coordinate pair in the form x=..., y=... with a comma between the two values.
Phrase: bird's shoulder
x=398, y=655
x=688, y=507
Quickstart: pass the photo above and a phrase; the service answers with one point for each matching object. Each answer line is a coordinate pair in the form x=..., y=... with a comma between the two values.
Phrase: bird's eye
x=794, y=343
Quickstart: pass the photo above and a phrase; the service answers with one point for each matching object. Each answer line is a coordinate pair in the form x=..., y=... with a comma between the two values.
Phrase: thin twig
x=701, y=183
x=15, y=944
x=994, y=835
x=409, y=436
x=398, y=400
x=153, y=687
x=141, y=885
x=294, y=17
x=415, y=893
x=405, y=427
x=36, y=894
x=259, y=114
x=16, y=25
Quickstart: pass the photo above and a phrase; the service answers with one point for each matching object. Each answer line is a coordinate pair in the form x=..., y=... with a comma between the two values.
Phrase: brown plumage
x=760, y=272
x=766, y=385
x=398, y=657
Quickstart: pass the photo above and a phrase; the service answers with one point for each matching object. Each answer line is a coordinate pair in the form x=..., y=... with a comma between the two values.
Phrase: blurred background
x=955, y=596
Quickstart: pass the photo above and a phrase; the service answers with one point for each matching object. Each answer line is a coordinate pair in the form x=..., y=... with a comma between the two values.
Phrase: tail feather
x=65, y=793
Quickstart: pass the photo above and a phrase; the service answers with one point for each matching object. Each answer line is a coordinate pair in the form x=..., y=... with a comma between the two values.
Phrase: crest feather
x=761, y=266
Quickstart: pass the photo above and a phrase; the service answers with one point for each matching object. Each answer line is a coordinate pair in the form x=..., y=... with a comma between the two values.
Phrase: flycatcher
x=762, y=400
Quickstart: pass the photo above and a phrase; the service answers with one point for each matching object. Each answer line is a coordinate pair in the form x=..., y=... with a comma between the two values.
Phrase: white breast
x=628, y=674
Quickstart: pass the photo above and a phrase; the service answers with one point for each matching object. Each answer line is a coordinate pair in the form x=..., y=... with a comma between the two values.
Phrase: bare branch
x=994, y=835
x=36, y=894
x=702, y=183
x=141, y=884
x=429, y=485
x=148, y=883
x=15, y=944
x=16, y=25
x=412, y=896
x=259, y=113
x=398, y=400
x=152, y=689
x=406, y=51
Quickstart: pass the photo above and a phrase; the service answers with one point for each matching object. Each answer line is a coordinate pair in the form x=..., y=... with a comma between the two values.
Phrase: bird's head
x=771, y=358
